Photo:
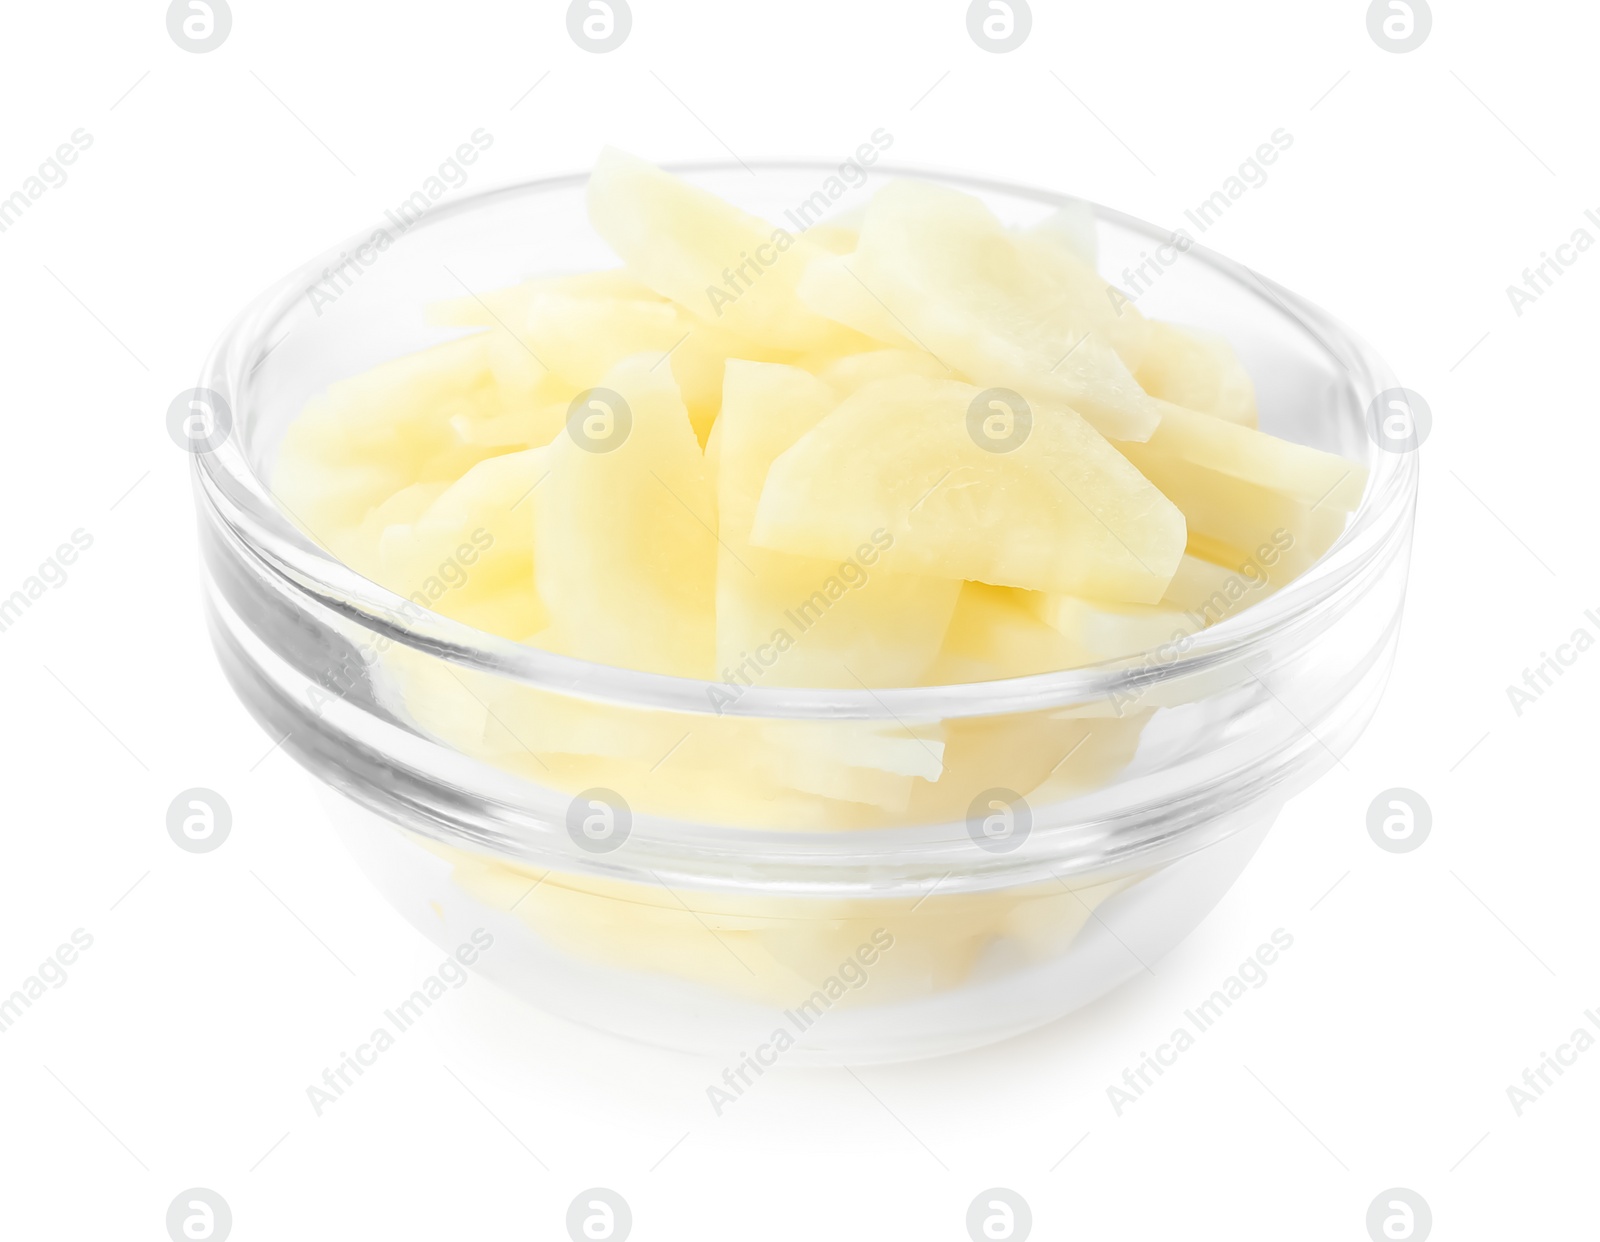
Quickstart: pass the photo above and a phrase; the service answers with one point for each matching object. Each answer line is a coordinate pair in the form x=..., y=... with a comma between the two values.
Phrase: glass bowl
x=817, y=875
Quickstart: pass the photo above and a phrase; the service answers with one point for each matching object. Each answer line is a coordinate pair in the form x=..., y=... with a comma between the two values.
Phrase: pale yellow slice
x=1198, y=370
x=469, y=554
x=855, y=371
x=936, y=271
x=723, y=265
x=1062, y=511
x=996, y=633
x=1243, y=488
x=374, y=434
x=625, y=550
x=784, y=619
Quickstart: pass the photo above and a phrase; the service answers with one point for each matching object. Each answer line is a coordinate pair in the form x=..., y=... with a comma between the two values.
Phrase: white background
x=177, y=1053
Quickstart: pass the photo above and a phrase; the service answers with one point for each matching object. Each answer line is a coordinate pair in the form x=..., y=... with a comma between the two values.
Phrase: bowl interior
x=369, y=303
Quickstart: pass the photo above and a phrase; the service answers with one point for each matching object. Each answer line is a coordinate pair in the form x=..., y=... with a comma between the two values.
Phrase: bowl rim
x=245, y=503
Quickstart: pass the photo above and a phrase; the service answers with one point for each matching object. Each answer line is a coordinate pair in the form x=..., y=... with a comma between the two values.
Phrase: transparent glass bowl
x=817, y=875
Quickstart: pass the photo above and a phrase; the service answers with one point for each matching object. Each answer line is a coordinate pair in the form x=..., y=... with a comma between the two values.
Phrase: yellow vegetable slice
x=832, y=287
x=373, y=434
x=1200, y=594
x=625, y=552
x=473, y=542
x=935, y=270
x=1243, y=488
x=493, y=307
x=358, y=548
x=1060, y=511
x=583, y=328
x=834, y=238
x=1198, y=370
x=723, y=265
x=996, y=633
x=854, y=371
x=800, y=620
